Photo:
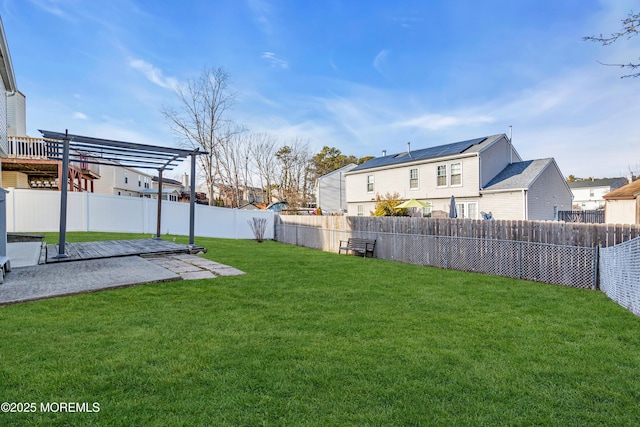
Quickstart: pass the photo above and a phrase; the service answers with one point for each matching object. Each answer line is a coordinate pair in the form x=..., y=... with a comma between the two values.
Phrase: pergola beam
x=105, y=152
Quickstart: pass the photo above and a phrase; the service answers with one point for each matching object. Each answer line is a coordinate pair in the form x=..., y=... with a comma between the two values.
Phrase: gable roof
x=346, y=168
x=629, y=191
x=468, y=146
x=6, y=66
x=590, y=183
x=518, y=175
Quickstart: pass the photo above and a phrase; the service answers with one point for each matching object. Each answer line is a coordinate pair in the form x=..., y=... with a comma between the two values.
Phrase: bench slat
x=355, y=244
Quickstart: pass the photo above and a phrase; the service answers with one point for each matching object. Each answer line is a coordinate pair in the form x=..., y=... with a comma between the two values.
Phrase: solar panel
x=422, y=154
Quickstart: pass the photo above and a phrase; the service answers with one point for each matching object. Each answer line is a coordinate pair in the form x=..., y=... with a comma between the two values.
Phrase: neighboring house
x=10, y=88
x=122, y=181
x=588, y=194
x=226, y=195
x=622, y=206
x=484, y=175
x=330, y=191
x=171, y=189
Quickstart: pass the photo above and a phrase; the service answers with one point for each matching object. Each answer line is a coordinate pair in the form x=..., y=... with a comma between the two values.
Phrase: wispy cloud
x=263, y=14
x=153, y=74
x=440, y=121
x=79, y=115
x=52, y=7
x=274, y=61
x=379, y=60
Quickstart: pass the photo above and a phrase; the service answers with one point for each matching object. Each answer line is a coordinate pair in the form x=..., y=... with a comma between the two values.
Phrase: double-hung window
x=442, y=176
x=369, y=183
x=413, y=179
x=456, y=174
x=126, y=177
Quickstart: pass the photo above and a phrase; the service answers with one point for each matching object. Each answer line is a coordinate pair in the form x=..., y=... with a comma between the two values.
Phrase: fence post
x=596, y=271
x=519, y=260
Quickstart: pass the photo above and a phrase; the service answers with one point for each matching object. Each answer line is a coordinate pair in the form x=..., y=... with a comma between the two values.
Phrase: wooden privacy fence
x=550, y=232
x=563, y=265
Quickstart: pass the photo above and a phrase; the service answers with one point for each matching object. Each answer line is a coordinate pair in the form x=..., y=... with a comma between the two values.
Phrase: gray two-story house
x=484, y=174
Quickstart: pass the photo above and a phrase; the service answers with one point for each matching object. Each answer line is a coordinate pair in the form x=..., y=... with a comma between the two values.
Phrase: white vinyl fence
x=39, y=210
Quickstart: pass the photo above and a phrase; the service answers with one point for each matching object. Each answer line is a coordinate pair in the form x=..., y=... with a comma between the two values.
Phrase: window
x=467, y=210
x=413, y=178
x=139, y=181
x=126, y=177
x=442, y=176
x=456, y=173
x=146, y=182
x=591, y=193
x=360, y=210
x=370, y=183
x=426, y=212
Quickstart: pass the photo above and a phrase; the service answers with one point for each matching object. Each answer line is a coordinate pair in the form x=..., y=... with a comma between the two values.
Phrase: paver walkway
x=190, y=267
x=69, y=278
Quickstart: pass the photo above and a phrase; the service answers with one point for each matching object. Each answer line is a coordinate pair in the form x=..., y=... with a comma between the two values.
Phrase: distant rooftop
x=589, y=183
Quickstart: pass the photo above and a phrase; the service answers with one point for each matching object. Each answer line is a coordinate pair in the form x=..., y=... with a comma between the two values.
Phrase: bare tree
x=201, y=121
x=233, y=153
x=294, y=177
x=264, y=162
x=630, y=28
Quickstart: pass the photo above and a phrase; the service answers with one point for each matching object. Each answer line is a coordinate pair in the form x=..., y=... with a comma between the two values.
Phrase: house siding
x=4, y=140
x=495, y=158
x=396, y=180
x=503, y=205
x=621, y=211
x=112, y=181
x=16, y=114
x=15, y=179
x=549, y=190
x=330, y=191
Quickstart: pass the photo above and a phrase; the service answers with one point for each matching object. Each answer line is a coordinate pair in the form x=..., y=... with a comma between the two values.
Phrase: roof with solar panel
x=468, y=146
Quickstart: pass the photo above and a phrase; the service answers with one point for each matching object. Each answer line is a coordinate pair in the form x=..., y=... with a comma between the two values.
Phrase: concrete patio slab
x=51, y=280
x=23, y=254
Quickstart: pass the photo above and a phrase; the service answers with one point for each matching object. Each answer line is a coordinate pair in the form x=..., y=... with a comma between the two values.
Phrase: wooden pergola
x=66, y=147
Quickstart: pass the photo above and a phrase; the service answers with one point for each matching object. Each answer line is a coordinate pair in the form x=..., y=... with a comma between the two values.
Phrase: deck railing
x=24, y=147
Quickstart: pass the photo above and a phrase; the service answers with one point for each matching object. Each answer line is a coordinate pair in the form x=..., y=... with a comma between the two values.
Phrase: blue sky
x=361, y=76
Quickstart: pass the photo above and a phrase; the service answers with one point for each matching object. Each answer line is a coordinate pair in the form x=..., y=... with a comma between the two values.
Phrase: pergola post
x=192, y=201
x=64, y=188
x=159, y=222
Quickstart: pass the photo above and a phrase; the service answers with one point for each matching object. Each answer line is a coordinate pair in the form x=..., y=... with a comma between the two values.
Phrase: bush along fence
x=521, y=249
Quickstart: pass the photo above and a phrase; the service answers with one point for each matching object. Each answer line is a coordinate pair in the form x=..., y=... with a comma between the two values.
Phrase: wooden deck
x=117, y=248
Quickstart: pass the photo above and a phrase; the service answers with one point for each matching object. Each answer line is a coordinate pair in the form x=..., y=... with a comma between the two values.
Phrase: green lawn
x=314, y=338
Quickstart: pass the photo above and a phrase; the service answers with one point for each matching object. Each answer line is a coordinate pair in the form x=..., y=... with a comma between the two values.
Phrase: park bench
x=361, y=246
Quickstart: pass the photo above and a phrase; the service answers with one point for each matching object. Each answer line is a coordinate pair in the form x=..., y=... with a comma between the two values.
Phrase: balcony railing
x=23, y=147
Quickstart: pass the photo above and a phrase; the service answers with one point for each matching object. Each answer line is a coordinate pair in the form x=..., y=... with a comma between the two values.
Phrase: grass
x=308, y=338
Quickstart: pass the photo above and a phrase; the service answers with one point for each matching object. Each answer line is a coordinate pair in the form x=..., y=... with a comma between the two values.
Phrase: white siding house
x=122, y=181
x=330, y=191
x=9, y=84
x=469, y=171
x=589, y=194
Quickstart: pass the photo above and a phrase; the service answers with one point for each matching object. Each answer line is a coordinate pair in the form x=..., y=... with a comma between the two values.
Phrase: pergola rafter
x=120, y=153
